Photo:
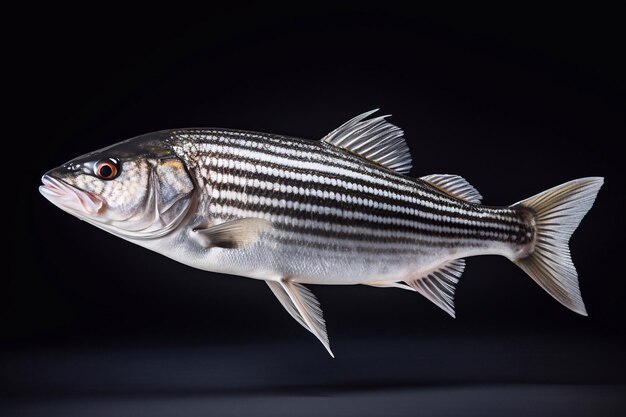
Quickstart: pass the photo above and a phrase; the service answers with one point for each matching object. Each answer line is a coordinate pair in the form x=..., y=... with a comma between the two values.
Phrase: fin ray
x=233, y=234
x=390, y=284
x=303, y=306
x=439, y=285
x=557, y=212
x=374, y=139
x=286, y=302
x=454, y=185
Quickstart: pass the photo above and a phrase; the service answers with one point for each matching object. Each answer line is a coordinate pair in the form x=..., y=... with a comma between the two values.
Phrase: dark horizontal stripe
x=350, y=243
x=417, y=240
x=344, y=246
x=350, y=207
x=316, y=148
x=441, y=201
x=389, y=177
x=332, y=218
x=448, y=202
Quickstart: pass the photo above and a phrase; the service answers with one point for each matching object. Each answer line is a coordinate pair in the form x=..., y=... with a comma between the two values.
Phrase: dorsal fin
x=455, y=186
x=374, y=139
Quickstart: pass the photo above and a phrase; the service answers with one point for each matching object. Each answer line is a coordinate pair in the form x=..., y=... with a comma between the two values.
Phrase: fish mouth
x=70, y=198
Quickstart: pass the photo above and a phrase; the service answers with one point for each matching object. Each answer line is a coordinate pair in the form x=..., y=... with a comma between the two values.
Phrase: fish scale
x=315, y=199
x=425, y=194
x=338, y=211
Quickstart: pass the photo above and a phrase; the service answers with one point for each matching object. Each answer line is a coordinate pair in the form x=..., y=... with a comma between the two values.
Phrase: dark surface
x=476, y=375
x=515, y=101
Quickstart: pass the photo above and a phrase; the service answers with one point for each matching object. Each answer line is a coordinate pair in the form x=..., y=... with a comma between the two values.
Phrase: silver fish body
x=338, y=211
x=337, y=219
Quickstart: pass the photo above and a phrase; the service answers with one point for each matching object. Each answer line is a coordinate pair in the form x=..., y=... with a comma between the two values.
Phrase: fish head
x=136, y=189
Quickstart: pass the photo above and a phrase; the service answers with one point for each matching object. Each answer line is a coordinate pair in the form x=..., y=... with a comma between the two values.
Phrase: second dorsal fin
x=374, y=139
x=455, y=186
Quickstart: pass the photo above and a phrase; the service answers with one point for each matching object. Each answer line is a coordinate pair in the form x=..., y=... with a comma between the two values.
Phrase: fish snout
x=68, y=197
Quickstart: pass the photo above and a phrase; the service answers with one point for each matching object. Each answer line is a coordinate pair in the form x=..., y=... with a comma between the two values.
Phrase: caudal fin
x=557, y=213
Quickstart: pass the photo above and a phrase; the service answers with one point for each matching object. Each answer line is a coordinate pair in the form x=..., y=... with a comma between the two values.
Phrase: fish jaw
x=71, y=199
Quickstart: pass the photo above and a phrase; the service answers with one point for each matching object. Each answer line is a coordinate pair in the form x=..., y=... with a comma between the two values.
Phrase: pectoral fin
x=301, y=303
x=232, y=234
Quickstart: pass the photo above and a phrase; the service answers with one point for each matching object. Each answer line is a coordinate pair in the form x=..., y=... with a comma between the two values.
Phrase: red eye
x=106, y=169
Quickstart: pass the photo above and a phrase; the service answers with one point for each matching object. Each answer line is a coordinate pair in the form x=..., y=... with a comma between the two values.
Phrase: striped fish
x=338, y=211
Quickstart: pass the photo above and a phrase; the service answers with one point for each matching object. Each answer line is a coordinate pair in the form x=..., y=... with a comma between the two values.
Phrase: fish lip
x=70, y=198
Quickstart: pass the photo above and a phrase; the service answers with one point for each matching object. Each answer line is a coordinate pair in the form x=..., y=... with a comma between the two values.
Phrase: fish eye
x=106, y=169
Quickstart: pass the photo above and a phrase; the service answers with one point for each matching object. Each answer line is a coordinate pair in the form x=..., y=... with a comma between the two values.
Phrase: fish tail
x=555, y=214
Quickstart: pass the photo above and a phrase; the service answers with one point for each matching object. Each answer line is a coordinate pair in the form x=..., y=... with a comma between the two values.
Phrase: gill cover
x=169, y=200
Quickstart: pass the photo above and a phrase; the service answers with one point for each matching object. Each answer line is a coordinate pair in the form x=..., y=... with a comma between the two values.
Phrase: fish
x=338, y=211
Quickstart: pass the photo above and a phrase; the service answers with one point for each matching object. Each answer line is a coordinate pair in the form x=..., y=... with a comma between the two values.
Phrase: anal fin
x=303, y=306
x=439, y=285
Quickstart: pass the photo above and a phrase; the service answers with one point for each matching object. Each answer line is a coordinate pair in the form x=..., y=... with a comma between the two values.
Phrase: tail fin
x=557, y=213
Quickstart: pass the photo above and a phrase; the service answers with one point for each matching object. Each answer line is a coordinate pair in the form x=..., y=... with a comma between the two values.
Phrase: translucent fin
x=390, y=284
x=556, y=214
x=439, y=285
x=284, y=299
x=374, y=139
x=455, y=186
x=233, y=234
x=301, y=303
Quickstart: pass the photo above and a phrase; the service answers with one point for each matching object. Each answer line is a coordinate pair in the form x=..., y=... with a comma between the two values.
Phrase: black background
x=516, y=101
